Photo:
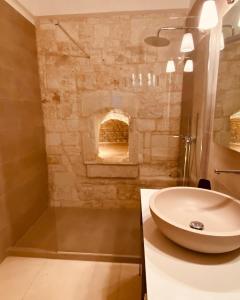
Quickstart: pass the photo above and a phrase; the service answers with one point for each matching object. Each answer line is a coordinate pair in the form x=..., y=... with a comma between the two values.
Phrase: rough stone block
x=70, y=139
x=168, y=125
x=63, y=179
x=164, y=147
x=128, y=192
x=112, y=171
x=147, y=140
x=53, y=139
x=103, y=192
x=146, y=125
x=165, y=168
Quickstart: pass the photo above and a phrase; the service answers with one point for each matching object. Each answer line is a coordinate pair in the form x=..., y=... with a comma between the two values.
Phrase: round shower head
x=156, y=41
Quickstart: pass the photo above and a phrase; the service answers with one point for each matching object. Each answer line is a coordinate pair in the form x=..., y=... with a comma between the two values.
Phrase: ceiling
x=61, y=7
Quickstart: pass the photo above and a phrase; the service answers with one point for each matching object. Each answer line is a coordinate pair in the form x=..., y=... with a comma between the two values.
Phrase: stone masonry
x=123, y=75
x=113, y=131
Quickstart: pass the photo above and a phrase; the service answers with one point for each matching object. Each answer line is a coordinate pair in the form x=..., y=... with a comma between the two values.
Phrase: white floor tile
x=61, y=280
x=46, y=279
x=16, y=276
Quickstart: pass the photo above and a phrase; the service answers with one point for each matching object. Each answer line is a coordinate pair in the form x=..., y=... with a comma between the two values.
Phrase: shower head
x=156, y=41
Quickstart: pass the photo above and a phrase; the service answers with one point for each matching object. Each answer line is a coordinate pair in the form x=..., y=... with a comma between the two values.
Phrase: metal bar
x=175, y=28
x=72, y=39
x=61, y=54
x=178, y=28
x=227, y=171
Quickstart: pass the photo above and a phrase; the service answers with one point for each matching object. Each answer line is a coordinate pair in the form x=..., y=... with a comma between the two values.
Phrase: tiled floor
x=114, y=232
x=46, y=279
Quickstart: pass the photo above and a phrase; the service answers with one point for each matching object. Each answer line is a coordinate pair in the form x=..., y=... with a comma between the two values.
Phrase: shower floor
x=106, y=235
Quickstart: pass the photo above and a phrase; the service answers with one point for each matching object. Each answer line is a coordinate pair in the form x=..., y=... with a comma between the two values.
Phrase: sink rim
x=189, y=229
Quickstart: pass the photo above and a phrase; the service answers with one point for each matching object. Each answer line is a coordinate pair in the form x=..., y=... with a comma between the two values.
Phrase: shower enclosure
x=101, y=84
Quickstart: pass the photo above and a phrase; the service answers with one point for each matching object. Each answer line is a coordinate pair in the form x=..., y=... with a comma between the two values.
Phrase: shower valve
x=188, y=139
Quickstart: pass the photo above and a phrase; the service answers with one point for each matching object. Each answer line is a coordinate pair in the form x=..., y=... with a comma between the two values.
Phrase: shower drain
x=197, y=225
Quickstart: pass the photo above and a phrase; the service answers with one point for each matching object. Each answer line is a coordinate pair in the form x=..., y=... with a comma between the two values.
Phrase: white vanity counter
x=175, y=273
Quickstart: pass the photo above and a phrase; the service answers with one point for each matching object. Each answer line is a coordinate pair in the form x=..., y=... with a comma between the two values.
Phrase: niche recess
x=113, y=138
x=235, y=130
x=110, y=145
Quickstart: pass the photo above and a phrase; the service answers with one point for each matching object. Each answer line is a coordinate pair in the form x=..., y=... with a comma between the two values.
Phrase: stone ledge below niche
x=111, y=170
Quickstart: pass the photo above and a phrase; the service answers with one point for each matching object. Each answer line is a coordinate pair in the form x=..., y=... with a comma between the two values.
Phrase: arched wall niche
x=91, y=139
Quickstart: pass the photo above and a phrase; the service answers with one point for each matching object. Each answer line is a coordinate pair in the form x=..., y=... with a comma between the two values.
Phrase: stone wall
x=113, y=131
x=123, y=74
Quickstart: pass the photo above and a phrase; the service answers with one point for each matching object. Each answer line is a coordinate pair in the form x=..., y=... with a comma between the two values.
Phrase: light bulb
x=188, y=66
x=149, y=79
x=209, y=15
x=133, y=80
x=187, y=43
x=170, y=67
x=222, y=42
x=140, y=79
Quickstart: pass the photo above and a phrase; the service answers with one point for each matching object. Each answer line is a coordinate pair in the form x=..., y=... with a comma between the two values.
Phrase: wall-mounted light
x=222, y=42
x=239, y=22
x=188, y=67
x=170, y=67
x=187, y=43
x=209, y=15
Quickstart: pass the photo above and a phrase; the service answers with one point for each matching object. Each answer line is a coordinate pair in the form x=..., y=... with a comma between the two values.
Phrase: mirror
x=227, y=110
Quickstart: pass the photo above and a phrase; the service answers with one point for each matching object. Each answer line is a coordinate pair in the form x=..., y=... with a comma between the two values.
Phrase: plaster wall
x=23, y=170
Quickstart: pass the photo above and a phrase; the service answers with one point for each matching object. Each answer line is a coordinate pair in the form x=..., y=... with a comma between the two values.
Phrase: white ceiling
x=62, y=7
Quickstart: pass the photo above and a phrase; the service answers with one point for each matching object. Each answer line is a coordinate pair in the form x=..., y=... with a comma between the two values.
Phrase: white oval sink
x=215, y=218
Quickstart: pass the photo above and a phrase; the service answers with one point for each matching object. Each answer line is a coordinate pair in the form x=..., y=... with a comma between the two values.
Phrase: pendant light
x=209, y=15
x=187, y=43
x=170, y=67
x=188, y=68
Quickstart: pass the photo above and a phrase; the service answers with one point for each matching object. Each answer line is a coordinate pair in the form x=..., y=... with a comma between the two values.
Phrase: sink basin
x=200, y=220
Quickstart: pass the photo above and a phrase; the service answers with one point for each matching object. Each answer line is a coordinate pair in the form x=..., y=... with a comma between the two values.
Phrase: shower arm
x=175, y=28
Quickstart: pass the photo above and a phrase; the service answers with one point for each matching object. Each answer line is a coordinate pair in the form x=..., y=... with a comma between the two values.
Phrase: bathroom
x=103, y=104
